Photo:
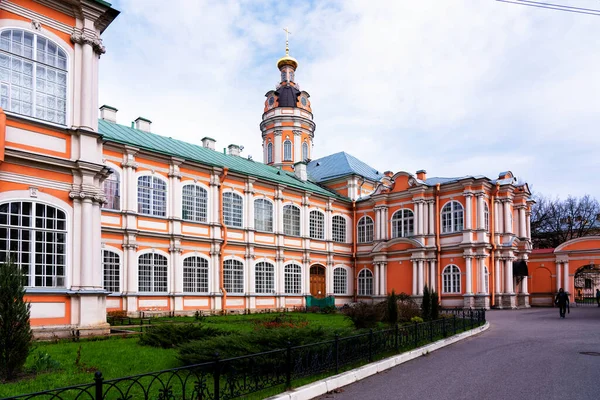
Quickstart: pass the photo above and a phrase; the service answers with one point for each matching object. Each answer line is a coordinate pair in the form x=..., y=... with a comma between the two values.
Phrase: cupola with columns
x=287, y=123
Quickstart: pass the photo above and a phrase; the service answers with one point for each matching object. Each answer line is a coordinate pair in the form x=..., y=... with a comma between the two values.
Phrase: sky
x=455, y=87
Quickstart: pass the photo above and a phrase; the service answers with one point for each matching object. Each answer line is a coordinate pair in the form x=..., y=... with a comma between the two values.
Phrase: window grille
x=194, y=203
x=293, y=279
x=403, y=223
x=233, y=210
x=152, y=273
x=365, y=230
x=291, y=220
x=111, y=265
x=317, y=225
x=304, y=151
x=451, y=279
x=263, y=215
x=112, y=191
x=264, y=277
x=338, y=228
x=233, y=276
x=152, y=196
x=340, y=281
x=365, y=283
x=269, y=153
x=195, y=275
x=452, y=217
x=287, y=150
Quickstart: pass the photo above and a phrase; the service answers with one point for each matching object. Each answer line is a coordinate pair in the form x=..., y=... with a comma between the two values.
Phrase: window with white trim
x=233, y=210
x=293, y=279
x=264, y=277
x=338, y=228
x=340, y=281
x=33, y=76
x=152, y=272
x=194, y=200
x=304, y=151
x=112, y=191
x=269, y=153
x=452, y=217
x=263, y=215
x=486, y=217
x=291, y=220
x=195, y=275
x=365, y=230
x=152, y=196
x=403, y=223
x=365, y=282
x=287, y=150
x=111, y=267
x=233, y=276
x=34, y=236
x=317, y=225
x=451, y=279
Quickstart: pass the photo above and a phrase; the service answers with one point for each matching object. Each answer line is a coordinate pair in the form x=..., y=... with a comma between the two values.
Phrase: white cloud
x=456, y=87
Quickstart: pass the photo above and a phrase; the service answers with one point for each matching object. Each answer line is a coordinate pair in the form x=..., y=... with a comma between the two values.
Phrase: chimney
x=300, y=171
x=422, y=174
x=108, y=113
x=143, y=124
x=233, y=150
x=208, y=143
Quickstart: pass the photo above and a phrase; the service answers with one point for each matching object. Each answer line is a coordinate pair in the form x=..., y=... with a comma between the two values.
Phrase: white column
x=528, y=224
x=249, y=195
x=420, y=282
x=497, y=279
x=383, y=278
x=277, y=149
x=508, y=275
x=177, y=268
x=566, y=281
x=386, y=221
x=480, y=209
x=420, y=219
x=431, y=217
x=469, y=278
x=522, y=221
x=87, y=91
x=87, y=244
x=249, y=286
x=425, y=218
x=432, y=277
x=297, y=146
x=507, y=218
x=524, y=285
x=468, y=212
x=376, y=279
x=132, y=268
x=558, y=276
x=414, y=278
x=377, y=224
x=497, y=216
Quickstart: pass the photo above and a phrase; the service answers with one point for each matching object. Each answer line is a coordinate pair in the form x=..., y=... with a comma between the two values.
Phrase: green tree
x=15, y=331
x=392, y=308
x=426, y=304
x=435, y=307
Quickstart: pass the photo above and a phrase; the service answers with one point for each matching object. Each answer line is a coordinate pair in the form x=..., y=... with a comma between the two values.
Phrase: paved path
x=526, y=354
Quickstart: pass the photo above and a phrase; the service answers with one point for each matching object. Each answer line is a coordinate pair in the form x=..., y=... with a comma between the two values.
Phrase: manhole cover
x=590, y=353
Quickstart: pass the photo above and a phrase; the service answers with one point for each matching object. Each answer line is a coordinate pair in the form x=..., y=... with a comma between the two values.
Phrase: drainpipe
x=224, y=230
x=437, y=239
x=354, y=250
x=493, y=240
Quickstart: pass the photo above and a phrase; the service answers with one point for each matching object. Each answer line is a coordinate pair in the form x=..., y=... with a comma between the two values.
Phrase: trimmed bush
x=392, y=308
x=407, y=309
x=364, y=315
x=435, y=306
x=172, y=335
x=426, y=304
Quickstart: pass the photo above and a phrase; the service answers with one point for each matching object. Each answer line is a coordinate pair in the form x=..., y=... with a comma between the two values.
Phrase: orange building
x=102, y=216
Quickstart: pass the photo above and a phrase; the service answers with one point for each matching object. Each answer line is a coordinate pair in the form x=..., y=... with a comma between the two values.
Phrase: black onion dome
x=288, y=96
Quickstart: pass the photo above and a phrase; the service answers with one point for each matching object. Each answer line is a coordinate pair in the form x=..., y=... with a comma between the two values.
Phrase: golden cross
x=287, y=48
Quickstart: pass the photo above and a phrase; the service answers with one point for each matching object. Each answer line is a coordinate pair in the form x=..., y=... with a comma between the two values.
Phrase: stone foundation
x=509, y=301
x=482, y=301
x=468, y=301
x=523, y=300
x=68, y=331
x=498, y=302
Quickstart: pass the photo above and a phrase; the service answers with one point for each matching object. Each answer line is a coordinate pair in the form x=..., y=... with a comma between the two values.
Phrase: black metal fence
x=241, y=376
x=586, y=301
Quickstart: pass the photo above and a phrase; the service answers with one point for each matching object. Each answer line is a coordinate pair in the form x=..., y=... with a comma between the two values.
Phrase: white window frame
x=233, y=276
x=154, y=202
x=264, y=277
x=196, y=273
x=292, y=280
x=113, y=273
x=233, y=209
x=263, y=216
x=365, y=282
x=196, y=203
x=340, y=280
x=287, y=150
x=292, y=222
x=365, y=229
x=304, y=151
x=338, y=229
x=317, y=225
x=452, y=217
x=156, y=273
x=403, y=223
x=269, y=153
x=451, y=279
x=113, y=192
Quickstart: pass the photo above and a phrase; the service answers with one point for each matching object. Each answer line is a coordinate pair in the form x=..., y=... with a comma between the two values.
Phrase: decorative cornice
x=128, y=246
x=129, y=164
x=86, y=36
x=83, y=194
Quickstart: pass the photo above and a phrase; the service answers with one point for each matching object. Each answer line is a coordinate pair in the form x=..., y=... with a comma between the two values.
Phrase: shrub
x=365, y=315
x=416, y=319
x=43, y=362
x=171, y=335
x=426, y=304
x=435, y=307
x=15, y=331
x=392, y=308
x=117, y=314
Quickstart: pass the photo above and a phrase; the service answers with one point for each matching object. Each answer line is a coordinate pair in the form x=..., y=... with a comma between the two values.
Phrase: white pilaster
x=558, y=276
x=431, y=205
x=469, y=276
x=497, y=279
x=421, y=219
x=297, y=146
x=277, y=148
x=497, y=217
x=376, y=289
x=432, y=275
x=522, y=222
x=468, y=212
x=480, y=212
x=87, y=237
x=566, y=281
x=414, y=278
x=421, y=273
x=508, y=274
x=383, y=278
x=508, y=228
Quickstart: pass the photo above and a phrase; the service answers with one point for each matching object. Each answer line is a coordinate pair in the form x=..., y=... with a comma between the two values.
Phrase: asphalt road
x=525, y=354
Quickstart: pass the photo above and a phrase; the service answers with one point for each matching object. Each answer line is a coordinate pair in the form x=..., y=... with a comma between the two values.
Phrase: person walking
x=562, y=301
x=598, y=297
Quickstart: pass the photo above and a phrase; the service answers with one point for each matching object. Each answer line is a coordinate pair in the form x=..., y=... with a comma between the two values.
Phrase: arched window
x=338, y=228
x=112, y=191
x=195, y=275
x=486, y=217
x=317, y=225
x=365, y=230
x=111, y=266
x=264, y=278
x=451, y=279
x=340, y=281
x=291, y=220
x=269, y=153
x=452, y=217
x=293, y=279
x=33, y=76
x=304, y=151
x=233, y=209
x=233, y=276
x=365, y=282
x=403, y=223
x=152, y=196
x=263, y=215
x=287, y=150
x=194, y=203
x=152, y=272
x=34, y=236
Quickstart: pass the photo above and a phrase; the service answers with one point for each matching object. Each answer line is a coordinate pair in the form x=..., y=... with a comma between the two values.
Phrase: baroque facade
x=102, y=216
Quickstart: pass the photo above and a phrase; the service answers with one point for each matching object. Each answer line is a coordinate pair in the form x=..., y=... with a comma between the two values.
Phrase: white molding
x=34, y=181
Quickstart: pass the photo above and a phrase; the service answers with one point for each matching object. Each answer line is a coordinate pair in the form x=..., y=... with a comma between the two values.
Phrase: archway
x=586, y=281
x=317, y=281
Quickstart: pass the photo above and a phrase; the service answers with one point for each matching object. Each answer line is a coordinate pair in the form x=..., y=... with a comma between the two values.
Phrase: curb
x=323, y=386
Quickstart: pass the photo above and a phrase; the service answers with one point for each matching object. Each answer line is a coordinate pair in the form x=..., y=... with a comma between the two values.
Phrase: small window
x=403, y=222
x=112, y=191
x=233, y=276
x=195, y=275
x=152, y=196
x=233, y=210
x=340, y=281
x=338, y=228
x=451, y=279
x=269, y=153
x=264, y=278
x=291, y=220
x=304, y=151
x=452, y=217
x=287, y=150
x=365, y=283
x=365, y=230
x=293, y=279
x=152, y=269
x=317, y=225
x=263, y=215
x=194, y=203
x=111, y=266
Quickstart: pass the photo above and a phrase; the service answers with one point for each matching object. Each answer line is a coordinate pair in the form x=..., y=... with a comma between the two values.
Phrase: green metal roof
x=112, y=132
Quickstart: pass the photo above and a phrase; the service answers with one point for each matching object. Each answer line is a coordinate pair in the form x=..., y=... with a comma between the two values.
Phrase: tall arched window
x=452, y=217
x=195, y=275
x=403, y=223
x=111, y=267
x=112, y=191
x=338, y=228
x=233, y=276
x=34, y=236
x=340, y=280
x=152, y=196
x=33, y=76
x=365, y=282
x=264, y=277
x=365, y=230
x=287, y=150
x=269, y=153
x=152, y=272
x=194, y=203
x=233, y=209
x=486, y=217
x=293, y=279
x=317, y=225
x=263, y=215
x=291, y=220
x=304, y=151
x=451, y=279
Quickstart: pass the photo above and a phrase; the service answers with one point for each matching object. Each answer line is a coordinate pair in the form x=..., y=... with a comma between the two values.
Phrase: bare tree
x=554, y=221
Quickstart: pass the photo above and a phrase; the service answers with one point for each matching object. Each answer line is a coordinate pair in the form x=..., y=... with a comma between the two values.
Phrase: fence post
x=336, y=343
x=98, y=379
x=471, y=318
x=217, y=377
x=444, y=327
x=464, y=321
x=370, y=345
x=416, y=328
x=454, y=323
x=288, y=366
x=396, y=344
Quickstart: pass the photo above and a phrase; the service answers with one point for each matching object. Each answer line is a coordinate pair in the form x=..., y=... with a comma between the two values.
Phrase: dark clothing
x=562, y=301
x=598, y=297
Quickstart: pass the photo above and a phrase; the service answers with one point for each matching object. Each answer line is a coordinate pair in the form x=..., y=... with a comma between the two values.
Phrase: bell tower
x=287, y=123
